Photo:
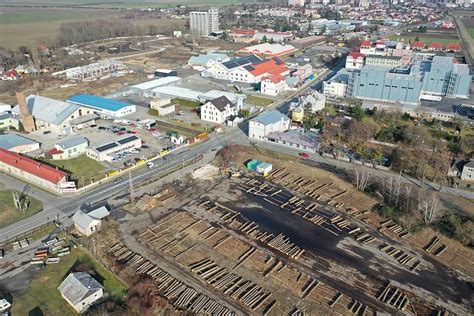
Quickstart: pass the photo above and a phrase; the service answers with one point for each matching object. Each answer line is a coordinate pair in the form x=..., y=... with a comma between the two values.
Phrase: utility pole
x=132, y=196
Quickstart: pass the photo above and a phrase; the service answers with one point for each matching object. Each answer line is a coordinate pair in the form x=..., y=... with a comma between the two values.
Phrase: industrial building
x=201, y=61
x=269, y=50
x=204, y=23
x=34, y=172
x=102, y=106
x=18, y=144
x=105, y=152
x=69, y=148
x=151, y=84
x=91, y=71
x=424, y=80
x=42, y=113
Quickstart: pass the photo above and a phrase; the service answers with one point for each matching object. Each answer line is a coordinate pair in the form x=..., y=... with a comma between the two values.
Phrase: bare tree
x=361, y=178
x=429, y=207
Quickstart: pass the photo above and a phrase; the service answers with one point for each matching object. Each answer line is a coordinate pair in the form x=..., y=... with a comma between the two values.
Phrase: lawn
x=186, y=103
x=43, y=292
x=427, y=40
x=9, y=214
x=259, y=101
x=82, y=168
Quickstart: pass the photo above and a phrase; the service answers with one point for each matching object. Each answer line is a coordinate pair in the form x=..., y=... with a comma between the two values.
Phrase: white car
x=150, y=164
x=133, y=151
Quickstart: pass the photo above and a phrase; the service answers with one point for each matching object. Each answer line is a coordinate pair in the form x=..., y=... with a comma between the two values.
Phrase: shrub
x=154, y=112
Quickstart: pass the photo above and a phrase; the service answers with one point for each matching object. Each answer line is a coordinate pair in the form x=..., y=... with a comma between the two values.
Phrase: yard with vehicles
x=9, y=214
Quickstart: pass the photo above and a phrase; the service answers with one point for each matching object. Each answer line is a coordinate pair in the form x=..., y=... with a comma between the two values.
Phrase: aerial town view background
x=222, y=157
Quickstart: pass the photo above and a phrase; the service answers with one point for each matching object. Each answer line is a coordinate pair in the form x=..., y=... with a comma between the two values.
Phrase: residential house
x=218, y=110
x=69, y=148
x=88, y=223
x=273, y=85
x=467, y=173
x=266, y=123
x=81, y=290
x=355, y=60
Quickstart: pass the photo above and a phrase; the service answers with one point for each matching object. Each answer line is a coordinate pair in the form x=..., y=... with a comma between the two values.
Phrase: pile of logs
x=394, y=228
x=245, y=291
x=401, y=256
x=177, y=292
x=358, y=308
x=284, y=245
x=394, y=297
x=436, y=251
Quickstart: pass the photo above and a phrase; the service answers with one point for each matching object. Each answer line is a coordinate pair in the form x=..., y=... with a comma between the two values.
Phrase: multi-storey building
x=204, y=23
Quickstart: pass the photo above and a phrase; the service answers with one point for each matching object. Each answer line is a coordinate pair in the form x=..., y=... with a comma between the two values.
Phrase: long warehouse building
x=103, y=106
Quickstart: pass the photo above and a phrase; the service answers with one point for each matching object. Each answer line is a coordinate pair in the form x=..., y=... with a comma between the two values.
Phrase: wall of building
x=104, y=155
x=27, y=177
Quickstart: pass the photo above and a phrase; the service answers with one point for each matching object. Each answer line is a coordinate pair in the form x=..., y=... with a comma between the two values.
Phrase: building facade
x=69, y=148
x=383, y=61
x=267, y=123
x=102, y=106
x=218, y=110
x=355, y=60
x=105, y=152
x=204, y=23
x=81, y=290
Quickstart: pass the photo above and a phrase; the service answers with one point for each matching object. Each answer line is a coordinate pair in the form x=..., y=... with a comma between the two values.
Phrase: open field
x=425, y=38
x=259, y=101
x=9, y=214
x=469, y=24
x=44, y=296
x=82, y=168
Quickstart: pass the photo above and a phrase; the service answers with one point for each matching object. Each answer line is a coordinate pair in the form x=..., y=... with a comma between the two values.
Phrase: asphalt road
x=63, y=207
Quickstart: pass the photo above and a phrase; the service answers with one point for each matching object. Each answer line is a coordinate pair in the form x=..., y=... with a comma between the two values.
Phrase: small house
x=88, y=223
x=218, y=110
x=81, y=290
x=69, y=148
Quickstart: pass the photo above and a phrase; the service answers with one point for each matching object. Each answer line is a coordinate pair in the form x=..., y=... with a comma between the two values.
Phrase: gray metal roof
x=79, y=285
x=271, y=117
x=8, y=141
x=72, y=142
x=82, y=219
x=99, y=213
x=47, y=109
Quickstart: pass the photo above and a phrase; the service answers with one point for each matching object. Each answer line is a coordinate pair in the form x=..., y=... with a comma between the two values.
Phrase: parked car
x=102, y=127
x=303, y=155
x=119, y=133
x=128, y=163
x=118, y=180
x=145, y=146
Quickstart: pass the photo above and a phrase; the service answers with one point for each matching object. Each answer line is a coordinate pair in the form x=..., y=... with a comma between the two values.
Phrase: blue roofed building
x=103, y=106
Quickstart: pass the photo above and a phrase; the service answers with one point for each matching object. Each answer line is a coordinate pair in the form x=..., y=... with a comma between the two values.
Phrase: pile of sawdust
x=206, y=173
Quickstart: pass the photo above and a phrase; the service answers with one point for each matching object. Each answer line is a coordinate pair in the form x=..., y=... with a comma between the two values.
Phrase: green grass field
x=81, y=168
x=259, y=101
x=9, y=214
x=427, y=40
x=43, y=294
x=470, y=30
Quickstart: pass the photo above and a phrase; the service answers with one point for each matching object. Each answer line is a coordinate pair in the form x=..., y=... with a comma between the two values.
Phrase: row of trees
x=85, y=31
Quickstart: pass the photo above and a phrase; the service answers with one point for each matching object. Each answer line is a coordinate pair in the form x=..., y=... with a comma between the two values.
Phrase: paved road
x=63, y=207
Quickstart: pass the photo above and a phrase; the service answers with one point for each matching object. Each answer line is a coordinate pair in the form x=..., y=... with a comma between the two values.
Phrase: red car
x=152, y=129
x=120, y=133
x=303, y=155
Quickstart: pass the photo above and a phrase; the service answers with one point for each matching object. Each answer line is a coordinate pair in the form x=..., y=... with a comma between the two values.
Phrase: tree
x=309, y=119
x=361, y=178
x=429, y=207
x=358, y=112
x=264, y=39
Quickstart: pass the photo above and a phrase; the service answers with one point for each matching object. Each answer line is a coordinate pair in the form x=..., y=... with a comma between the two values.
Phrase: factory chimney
x=25, y=116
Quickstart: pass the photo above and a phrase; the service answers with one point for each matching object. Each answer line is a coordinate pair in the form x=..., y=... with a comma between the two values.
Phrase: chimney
x=26, y=118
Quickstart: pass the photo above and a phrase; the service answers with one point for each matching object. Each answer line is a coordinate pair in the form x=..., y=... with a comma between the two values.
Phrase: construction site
x=232, y=242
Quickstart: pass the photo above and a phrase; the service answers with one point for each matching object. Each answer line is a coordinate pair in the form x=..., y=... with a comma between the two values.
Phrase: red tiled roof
x=419, y=44
x=436, y=45
x=356, y=55
x=272, y=66
x=275, y=79
x=366, y=44
x=243, y=31
x=454, y=46
x=55, y=151
x=32, y=166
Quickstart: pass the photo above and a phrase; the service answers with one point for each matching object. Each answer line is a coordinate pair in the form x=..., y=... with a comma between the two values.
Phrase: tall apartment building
x=204, y=23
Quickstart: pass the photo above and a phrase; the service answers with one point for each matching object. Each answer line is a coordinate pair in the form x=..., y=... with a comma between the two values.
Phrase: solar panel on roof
x=106, y=147
x=249, y=67
x=127, y=140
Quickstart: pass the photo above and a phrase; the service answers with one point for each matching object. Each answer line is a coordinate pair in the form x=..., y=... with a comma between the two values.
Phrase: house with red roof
x=34, y=172
x=435, y=47
x=355, y=60
x=454, y=47
x=418, y=45
x=273, y=85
